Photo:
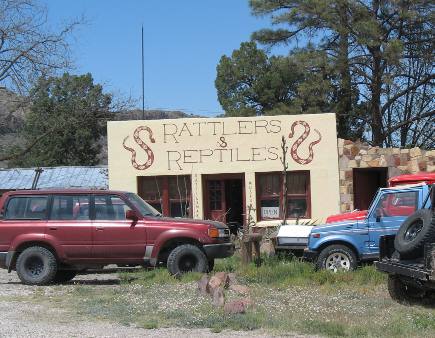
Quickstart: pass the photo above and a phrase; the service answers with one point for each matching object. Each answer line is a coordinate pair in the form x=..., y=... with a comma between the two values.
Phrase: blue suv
x=341, y=245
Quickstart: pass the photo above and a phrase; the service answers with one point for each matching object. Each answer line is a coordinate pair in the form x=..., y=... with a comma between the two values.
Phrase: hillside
x=13, y=109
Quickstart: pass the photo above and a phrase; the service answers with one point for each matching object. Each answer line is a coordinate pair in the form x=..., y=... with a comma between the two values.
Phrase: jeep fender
x=337, y=239
x=177, y=233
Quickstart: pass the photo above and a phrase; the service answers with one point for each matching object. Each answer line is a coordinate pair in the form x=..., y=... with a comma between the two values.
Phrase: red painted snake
x=141, y=144
x=302, y=138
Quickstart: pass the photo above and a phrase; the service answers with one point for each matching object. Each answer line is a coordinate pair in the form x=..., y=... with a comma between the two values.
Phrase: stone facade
x=360, y=155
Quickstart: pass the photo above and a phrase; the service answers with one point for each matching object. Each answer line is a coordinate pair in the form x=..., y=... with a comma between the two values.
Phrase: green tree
x=250, y=83
x=65, y=123
x=369, y=42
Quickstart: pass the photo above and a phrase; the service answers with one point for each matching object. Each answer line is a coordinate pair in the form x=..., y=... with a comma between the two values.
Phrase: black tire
x=36, y=266
x=413, y=233
x=210, y=265
x=63, y=276
x=336, y=258
x=403, y=293
x=187, y=258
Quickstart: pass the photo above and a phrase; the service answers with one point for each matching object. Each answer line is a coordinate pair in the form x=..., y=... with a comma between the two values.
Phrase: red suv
x=49, y=236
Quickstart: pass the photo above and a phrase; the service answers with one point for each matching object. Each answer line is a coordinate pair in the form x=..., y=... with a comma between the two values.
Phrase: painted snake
x=302, y=138
x=141, y=144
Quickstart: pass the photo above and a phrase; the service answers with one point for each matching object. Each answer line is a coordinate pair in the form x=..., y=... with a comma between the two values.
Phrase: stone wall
x=360, y=155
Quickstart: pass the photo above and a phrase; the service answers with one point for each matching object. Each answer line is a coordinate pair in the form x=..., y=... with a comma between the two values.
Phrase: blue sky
x=183, y=40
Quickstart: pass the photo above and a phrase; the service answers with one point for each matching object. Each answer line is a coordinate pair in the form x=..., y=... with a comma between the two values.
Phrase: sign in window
x=270, y=212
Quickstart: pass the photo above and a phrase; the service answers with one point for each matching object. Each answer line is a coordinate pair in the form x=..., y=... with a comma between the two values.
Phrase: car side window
x=397, y=204
x=26, y=207
x=110, y=207
x=70, y=207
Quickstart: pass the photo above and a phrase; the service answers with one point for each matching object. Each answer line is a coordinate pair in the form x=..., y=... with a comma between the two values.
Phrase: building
x=364, y=169
x=229, y=169
x=53, y=177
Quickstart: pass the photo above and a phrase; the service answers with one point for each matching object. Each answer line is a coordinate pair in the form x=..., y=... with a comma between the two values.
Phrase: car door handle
x=53, y=228
x=100, y=228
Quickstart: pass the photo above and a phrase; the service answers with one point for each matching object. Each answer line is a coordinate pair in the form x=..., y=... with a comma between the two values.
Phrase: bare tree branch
x=406, y=90
x=409, y=121
x=28, y=47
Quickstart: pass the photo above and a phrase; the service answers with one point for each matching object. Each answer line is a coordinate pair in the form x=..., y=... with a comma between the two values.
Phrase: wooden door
x=216, y=200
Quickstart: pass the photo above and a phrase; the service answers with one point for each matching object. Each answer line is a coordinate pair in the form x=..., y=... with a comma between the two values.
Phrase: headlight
x=218, y=233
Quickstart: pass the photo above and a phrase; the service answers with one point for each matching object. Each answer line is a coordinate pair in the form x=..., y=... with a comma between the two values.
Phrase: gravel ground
x=20, y=316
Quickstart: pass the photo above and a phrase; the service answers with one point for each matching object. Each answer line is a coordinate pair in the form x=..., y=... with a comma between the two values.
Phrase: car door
x=392, y=208
x=115, y=238
x=70, y=226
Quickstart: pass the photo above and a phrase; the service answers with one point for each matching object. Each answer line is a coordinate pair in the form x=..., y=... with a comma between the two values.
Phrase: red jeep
x=49, y=236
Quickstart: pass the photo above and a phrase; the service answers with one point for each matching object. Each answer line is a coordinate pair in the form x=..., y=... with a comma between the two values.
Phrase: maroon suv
x=49, y=236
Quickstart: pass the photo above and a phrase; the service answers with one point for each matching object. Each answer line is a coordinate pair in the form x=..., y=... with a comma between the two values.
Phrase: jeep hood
x=347, y=216
x=336, y=226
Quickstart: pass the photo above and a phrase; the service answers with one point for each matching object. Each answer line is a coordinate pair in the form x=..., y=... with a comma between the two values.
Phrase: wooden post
x=255, y=240
x=246, y=250
x=250, y=241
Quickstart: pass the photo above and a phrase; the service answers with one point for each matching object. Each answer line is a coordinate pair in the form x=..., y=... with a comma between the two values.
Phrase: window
x=270, y=195
x=298, y=194
x=70, y=207
x=144, y=208
x=170, y=195
x=27, y=207
x=110, y=207
x=151, y=191
x=397, y=204
x=179, y=196
x=215, y=194
x=269, y=190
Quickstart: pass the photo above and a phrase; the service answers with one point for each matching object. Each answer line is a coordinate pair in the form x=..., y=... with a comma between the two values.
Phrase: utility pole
x=143, y=83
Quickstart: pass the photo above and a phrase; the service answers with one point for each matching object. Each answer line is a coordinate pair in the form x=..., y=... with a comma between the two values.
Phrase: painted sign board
x=249, y=145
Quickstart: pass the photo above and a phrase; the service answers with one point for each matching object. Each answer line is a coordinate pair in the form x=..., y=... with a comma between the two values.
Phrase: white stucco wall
x=246, y=145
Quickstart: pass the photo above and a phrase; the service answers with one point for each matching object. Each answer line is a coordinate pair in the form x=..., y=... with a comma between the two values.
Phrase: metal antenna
x=143, y=85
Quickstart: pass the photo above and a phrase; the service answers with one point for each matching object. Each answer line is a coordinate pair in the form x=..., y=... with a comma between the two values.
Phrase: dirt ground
x=24, y=315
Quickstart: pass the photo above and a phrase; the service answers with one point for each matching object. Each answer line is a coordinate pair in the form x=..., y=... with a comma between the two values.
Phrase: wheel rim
x=188, y=263
x=338, y=261
x=34, y=266
x=413, y=230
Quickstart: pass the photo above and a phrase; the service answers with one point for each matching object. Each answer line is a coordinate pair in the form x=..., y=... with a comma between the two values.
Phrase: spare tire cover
x=414, y=232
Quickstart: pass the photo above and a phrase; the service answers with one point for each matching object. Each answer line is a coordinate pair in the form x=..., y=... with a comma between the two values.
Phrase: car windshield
x=144, y=208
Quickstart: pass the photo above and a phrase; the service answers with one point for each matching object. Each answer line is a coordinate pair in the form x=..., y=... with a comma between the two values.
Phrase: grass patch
x=329, y=329
x=287, y=271
x=156, y=276
x=289, y=296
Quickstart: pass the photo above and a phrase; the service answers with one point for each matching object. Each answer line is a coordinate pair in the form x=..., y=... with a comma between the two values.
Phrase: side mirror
x=132, y=215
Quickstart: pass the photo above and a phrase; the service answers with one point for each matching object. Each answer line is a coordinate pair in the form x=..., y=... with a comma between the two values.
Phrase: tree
x=28, y=48
x=369, y=42
x=251, y=83
x=65, y=122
